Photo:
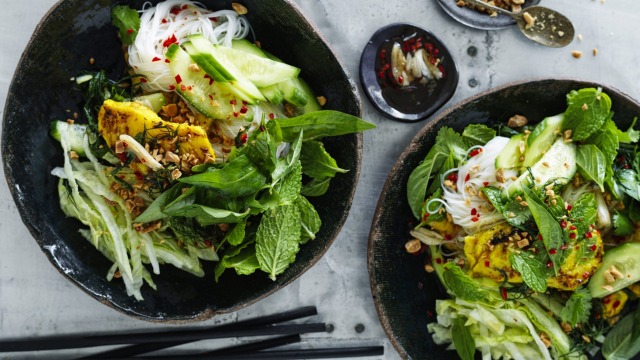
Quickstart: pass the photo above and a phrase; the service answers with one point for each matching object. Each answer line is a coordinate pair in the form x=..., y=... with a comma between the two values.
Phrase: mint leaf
x=460, y=284
x=127, y=21
x=284, y=166
x=316, y=161
x=277, y=239
x=534, y=272
x=628, y=180
x=584, y=212
x=552, y=234
x=289, y=188
x=245, y=263
x=578, y=307
x=587, y=110
x=235, y=236
x=315, y=187
x=462, y=339
x=622, y=225
x=629, y=136
x=477, y=134
x=591, y=164
x=309, y=220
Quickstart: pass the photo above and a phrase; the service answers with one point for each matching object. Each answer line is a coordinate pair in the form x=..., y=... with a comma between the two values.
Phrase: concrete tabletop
x=36, y=300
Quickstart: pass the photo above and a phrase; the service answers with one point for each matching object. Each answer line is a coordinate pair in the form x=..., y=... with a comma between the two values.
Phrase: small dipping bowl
x=418, y=100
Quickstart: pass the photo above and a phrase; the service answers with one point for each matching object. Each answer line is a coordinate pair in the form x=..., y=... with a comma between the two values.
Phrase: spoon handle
x=492, y=7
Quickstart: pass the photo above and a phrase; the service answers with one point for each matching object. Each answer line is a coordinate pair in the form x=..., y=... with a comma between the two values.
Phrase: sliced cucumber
x=261, y=71
x=204, y=95
x=74, y=134
x=290, y=91
x=153, y=101
x=249, y=47
x=312, y=101
x=214, y=60
x=559, y=164
x=541, y=138
x=626, y=259
x=510, y=157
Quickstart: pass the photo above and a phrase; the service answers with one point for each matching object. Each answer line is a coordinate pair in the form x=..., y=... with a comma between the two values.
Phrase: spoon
x=540, y=24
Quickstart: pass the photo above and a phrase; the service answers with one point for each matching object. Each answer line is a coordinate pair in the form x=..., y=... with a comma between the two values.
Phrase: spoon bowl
x=540, y=24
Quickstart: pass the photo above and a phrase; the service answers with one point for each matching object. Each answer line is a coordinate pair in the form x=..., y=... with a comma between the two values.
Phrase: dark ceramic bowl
x=479, y=20
x=75, y=31
x=404, y=293
x=417, y=102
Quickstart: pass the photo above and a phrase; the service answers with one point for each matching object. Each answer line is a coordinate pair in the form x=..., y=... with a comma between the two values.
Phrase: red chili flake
x=164, y=21
x=485, y=183
x=549, y=264
x=572, y=236
x=178, y=79
x=553, y=252
x=210, y=97
x=430, y=313
x=189, y=88
x=143, y=80
x=563, y=224
x=243, y=138
x=453, y=177
x=143, y=161
x=503, y=293
x=539, y=236
x=474, y=219
x=569, y=207
x=170, y=40
x=155, y=59
x=588, y=235
x=487, y=263
x=244, y=102
x=272, y=116
x=475, y=152
x=175, y=10
x=586, y=275
x=400, y=79
x=606, y=300
x=438, y=261
x=616, y=304
x=129, y=31
x=597, y=316
x=466, y=178
x=593, y=247
x=167, y=61
x=236, y=114
x=448, y=237
x=425, y=217
x=381, y=74
x=183, y=87
x=626, y=166
x=206, y=76
x=214, y=19
x=572, y=227
x=138, y=175
x=474, y=211
x=122, y=157
x=172, y=87
x=184, y=7
x=232, y=101
x=244, y=109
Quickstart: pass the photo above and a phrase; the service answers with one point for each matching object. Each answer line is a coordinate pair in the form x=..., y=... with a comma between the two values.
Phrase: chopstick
x=260, y=326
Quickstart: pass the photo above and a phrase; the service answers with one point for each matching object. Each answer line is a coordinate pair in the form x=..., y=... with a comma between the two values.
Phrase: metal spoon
x=549, y=27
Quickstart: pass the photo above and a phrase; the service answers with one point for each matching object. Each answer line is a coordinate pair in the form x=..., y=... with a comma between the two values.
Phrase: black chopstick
x=320, y=353
x=251, y=327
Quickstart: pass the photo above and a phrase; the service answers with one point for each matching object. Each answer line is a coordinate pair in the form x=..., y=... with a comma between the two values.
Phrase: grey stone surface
x=36, y=300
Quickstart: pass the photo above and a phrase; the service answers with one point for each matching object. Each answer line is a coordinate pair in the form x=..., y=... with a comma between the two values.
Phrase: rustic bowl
x=404, y=293
x=69, y=35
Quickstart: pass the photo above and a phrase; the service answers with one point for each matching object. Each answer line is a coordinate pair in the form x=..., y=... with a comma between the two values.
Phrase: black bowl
x=417, y=103
x=404, y=293
x=75, y=31
x=479, y=20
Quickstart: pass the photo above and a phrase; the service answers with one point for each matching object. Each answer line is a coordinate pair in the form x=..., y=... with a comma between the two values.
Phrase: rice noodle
x=464, y=203
x=179, y=19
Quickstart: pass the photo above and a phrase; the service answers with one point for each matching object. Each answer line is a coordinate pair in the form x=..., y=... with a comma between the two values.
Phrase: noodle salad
x=208, y=149
x=532, y=230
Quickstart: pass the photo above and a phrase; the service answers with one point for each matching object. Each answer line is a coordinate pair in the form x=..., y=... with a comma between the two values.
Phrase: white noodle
x=159, y=23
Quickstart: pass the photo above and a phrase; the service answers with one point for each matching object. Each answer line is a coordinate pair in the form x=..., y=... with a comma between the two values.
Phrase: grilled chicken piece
x=488, y=257
x=116, y=118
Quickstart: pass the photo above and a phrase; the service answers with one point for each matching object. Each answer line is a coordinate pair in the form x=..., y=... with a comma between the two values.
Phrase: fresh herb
x=239, y=177
x=622, y=225
x=591, y=164
x=463, y=341
x=583, y=213
x=277, y=239
x=534, y=272
x=631, y=135
x=460, y=284
x=578, y=308
x=477, y=134
x=623, y=342
x=319, y=124
x=587, y=110
x=127, y=21
x=315, y=187
x=606, y=140
x=236, y=235
x=316, y=161
x=550, y=230
x=310, y=221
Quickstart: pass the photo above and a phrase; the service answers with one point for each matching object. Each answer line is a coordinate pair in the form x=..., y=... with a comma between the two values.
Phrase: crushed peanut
x=576, y=54
x=413, y=246
x=239, y=8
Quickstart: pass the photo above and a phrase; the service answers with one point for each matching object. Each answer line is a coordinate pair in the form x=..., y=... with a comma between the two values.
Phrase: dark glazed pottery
x=75, y=31
x=404, y=293
x=479, y=20
x=419, y=102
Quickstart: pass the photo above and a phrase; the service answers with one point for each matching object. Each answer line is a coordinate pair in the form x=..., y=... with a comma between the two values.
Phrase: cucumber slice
x=261, y=71
x=290, y=91
x=312, y=101
x=541, y=138
x=510, y=157
x=626, y=259
x=215, y=61
x=74, y=134
x=203, y=94
x=248, y=47
x=154, y=101
x=559, y=164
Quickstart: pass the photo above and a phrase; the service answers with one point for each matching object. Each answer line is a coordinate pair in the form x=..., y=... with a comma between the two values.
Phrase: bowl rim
x=205, y=313
x=411, y=148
